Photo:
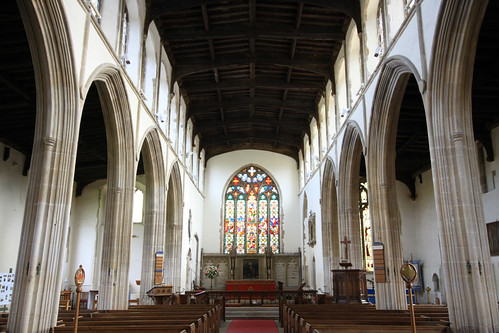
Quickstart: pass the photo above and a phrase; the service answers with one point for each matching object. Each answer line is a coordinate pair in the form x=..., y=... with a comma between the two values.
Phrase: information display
x=6, y=288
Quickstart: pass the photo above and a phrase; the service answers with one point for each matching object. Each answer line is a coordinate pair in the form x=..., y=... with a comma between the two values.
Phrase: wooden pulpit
x=161, y=294
x=349, y=286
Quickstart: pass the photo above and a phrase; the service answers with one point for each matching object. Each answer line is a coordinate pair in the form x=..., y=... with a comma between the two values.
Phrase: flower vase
x=211, y=283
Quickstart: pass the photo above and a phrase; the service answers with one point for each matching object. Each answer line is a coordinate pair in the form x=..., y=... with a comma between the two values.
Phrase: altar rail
x=254, y=297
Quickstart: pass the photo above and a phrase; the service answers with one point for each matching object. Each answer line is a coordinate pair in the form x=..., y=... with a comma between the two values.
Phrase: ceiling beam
x=207, y=126
x=282, y=139
x=197, y=107
x=157, y=8
x=262, y=83
x=13, y=84
x=242, y=30
x=290, y=151
x=184, y=67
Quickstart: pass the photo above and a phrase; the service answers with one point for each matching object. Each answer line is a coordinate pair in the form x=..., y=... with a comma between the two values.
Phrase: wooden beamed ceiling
x=252, y=72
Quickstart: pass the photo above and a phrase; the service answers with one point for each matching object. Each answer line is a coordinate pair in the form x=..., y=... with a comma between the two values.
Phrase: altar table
x=249, y=285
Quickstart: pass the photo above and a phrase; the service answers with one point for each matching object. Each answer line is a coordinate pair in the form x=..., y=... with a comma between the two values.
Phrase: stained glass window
x=251, y=218
x=365, y=220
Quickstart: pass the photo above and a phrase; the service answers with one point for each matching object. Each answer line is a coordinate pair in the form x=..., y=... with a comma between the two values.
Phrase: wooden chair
x=133, y=301
x=84, y=300
x=65, y=300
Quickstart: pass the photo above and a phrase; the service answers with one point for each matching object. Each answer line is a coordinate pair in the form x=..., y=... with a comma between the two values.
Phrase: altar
x=246, y=269
x=250, y=285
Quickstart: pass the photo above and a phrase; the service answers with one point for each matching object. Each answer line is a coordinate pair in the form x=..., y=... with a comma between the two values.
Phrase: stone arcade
x=231, y=133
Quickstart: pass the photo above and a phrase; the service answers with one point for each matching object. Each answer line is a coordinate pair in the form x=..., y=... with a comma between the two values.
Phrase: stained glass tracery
x=365, y=220
x=251, y=218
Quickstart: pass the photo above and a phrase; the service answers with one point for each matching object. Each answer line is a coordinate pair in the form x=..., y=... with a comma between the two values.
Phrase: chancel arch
x=154, y=210
x=174, y=226
x=352, y=171
x=330, y=228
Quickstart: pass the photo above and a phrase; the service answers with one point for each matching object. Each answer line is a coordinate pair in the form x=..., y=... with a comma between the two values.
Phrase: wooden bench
x=332, y=318
x=157, y=318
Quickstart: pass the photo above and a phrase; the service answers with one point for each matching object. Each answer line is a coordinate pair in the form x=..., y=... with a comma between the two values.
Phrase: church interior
x=272, y=145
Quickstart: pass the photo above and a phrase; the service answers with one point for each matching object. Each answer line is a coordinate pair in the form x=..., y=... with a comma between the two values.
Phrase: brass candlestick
x=428, y=289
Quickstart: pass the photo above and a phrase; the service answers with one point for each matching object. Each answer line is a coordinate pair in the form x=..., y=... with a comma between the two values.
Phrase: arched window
x=95, y=7
x=380, y=30
x=125, y=28
x=251, y=213
x=365, y=222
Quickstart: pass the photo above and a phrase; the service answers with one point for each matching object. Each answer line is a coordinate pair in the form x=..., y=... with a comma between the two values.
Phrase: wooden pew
x=332, y=318
x=3, y=322
x=158, y=318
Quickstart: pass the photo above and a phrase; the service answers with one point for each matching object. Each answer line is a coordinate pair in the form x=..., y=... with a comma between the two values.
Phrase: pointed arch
x=113, y=288
x=330, y=228
x=385, y=215
x=174, y=226
x=348, y=192
x=460, y=215
x=155, y=210
x=252, y=210
x=46, y=217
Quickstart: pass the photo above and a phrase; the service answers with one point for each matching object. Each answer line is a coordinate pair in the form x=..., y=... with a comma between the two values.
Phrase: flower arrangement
x=212, y=272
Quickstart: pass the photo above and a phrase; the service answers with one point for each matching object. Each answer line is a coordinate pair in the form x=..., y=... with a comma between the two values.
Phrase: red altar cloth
x=245, y=285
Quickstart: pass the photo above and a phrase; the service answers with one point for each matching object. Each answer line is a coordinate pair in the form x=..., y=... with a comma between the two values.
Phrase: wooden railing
x=254, y=297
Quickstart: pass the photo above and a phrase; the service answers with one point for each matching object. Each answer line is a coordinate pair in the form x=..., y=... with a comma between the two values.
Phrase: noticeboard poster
x=6, y=288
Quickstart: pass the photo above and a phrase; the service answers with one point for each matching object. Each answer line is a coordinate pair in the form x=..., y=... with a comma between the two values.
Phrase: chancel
x=249, y=155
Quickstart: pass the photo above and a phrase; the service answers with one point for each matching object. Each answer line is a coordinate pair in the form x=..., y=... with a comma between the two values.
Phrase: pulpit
x=161, y=294
x=349, y=286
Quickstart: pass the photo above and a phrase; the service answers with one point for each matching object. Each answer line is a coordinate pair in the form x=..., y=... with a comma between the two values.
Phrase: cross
x=346, y=242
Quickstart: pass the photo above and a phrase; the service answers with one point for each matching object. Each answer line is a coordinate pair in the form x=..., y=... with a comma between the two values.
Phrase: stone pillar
x=154, y=213
x=348, y=198
x=35, y=299
x=466, y=264
x=113, y=289
x=44, y=234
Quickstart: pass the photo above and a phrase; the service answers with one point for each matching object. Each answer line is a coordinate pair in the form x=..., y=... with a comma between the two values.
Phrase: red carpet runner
x=253, y=326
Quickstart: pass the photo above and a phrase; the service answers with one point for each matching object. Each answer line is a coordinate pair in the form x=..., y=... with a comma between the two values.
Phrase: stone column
x=348, y=198
x=45, y=225
x=466, y=264
x=113, y=289
x=154, y=213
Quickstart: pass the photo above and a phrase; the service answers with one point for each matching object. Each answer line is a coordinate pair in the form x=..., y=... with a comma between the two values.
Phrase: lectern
x=161, y=294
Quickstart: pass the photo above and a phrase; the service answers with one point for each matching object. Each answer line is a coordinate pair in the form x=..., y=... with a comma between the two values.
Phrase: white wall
x=13, y=187
x=136, y=259
x=193, y=202
x=491, y=198
x=220, y=168
x=313, y=195
x=86, y=212
x=420, y=232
